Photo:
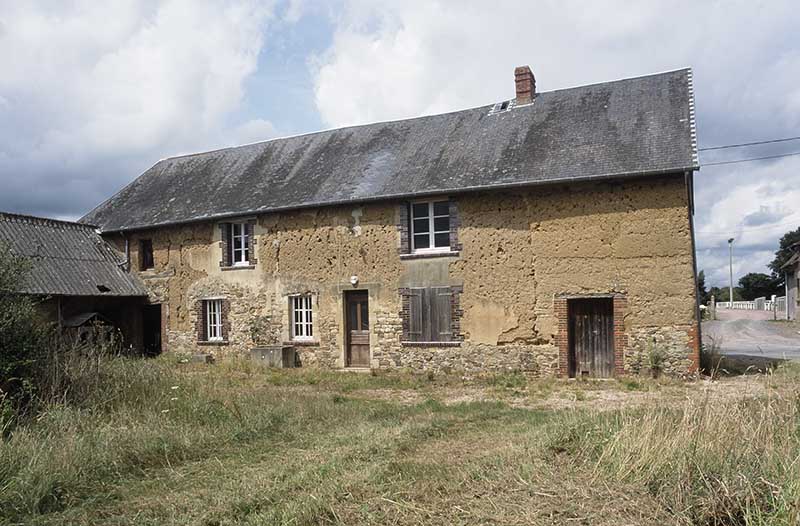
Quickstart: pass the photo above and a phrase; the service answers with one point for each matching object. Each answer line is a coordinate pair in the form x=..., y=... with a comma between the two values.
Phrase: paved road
x=753, y=333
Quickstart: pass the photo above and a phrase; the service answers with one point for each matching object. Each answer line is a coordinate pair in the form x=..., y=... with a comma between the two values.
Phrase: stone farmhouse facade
x=551, y=233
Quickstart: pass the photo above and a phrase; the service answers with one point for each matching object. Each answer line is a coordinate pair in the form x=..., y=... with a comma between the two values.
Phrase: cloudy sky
x=93, y=93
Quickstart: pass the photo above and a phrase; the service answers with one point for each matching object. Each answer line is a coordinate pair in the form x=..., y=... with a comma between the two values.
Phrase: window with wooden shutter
x=213, y=312
x=240, y=246
x=237, y=244
x=428, y=315
x=213, y=326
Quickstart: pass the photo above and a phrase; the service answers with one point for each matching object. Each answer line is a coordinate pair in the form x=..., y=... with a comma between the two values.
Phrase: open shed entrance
x=591, y=337
x=151, y=325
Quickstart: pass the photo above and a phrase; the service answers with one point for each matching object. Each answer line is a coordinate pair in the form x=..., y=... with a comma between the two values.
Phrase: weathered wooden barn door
x=357, y=336
x=591, y=337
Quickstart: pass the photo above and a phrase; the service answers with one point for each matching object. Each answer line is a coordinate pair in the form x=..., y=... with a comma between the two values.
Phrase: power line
x=736, y=229
x=785, y=139
x=751, y=159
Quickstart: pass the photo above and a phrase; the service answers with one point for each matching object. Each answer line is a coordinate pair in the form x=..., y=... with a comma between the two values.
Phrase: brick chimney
x=526, y=85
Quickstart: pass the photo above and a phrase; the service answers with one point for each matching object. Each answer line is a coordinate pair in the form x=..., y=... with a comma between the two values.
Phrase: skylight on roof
x=502, y=107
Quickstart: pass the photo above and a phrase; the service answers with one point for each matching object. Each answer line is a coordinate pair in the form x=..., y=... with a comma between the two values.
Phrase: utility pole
x=730, y=266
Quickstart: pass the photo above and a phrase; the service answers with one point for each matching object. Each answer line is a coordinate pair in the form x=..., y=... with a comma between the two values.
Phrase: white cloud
x=394, y=60
x=754, y=203
x=255, y=130
x=89, y=83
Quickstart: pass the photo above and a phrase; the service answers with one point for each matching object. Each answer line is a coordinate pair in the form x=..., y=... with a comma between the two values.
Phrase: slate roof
x=67, y=259
x=630, y=127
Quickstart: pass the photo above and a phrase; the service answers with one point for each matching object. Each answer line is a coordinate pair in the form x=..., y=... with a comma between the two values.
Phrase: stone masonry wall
x=519, y=252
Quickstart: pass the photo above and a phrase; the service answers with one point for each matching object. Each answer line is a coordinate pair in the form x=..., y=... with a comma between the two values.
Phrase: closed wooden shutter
x=225, y=244
x=251, y=242
x=415, y=315
x=455, y=223
x=202, y=321
x=440, y=301
x=404, y=226
x=224, y=310
x=429, y=315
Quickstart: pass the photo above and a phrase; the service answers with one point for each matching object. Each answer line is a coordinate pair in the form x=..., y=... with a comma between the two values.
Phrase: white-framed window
x=213, y=320
x=430, y=226
x=240, y=244
x=301, y=317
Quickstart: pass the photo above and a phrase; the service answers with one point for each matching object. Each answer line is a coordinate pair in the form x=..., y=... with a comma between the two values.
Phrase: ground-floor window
x=428, y=314
x=213, y=310
x=301, y=317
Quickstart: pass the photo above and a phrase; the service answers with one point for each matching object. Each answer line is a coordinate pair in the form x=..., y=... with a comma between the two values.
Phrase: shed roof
x=67, y=259
x=630, y=127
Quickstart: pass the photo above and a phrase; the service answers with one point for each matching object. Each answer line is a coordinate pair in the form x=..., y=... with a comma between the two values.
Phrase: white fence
x=737, y=305
x=777, y=304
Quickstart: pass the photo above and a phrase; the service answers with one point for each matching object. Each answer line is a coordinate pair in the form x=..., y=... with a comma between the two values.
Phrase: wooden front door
x=591, y=337
x=357, y=334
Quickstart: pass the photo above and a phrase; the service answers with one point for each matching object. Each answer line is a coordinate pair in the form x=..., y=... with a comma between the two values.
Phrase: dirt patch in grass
x=609, y=395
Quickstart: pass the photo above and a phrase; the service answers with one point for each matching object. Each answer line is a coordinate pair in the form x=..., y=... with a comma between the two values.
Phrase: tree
x=703, y=294
x=757, y=285
x=783, y=253
x=23, y=336
x=722, y=293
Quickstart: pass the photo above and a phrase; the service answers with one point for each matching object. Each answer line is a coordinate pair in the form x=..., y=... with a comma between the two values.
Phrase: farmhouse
x=77, y=278
x=549, y=233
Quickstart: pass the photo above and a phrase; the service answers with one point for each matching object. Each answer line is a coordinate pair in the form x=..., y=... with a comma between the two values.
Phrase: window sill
x=302, y=343
x=238, y=267
x=430, y=344
x=426, y=255
x=213, y=343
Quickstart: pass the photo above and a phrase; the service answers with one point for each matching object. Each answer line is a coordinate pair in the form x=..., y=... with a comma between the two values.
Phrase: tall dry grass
x=708, y=462
x=110, y=421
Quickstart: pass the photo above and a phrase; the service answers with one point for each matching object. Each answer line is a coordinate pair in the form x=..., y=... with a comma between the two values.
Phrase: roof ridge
x=623, y=79
x=430, y=115
x=27, y=218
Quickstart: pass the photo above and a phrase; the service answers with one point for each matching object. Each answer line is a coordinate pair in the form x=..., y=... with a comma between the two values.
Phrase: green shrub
x=24, y=337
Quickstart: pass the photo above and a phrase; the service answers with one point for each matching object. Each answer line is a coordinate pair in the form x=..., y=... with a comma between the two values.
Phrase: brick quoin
x=620, y=337
x=694, y=343
x=560, y=309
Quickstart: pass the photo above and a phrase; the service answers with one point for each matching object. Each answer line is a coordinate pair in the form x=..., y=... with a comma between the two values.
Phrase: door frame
x=598, y=304
x=562, y=338
x=346, y=295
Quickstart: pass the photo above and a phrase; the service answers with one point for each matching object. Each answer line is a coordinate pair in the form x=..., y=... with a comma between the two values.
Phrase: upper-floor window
x=240, y=244
x=301, y=322
x=430, y=226
x=146, y=254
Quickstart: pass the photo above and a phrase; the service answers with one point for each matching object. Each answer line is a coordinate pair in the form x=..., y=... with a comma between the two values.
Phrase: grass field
x=155, y=442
